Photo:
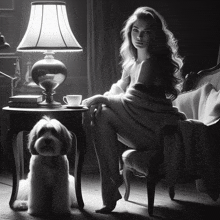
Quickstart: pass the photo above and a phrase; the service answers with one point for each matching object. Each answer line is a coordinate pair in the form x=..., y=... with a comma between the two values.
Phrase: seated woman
x=139, y=105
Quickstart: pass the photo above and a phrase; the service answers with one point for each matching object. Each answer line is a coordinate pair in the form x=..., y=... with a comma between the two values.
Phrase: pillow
x=213, y=78
x=211, y=110
x=192, y=103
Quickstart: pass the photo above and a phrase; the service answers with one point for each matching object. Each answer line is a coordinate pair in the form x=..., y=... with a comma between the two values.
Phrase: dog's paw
x=23, y=191
x=20, y=205
x=72, y=194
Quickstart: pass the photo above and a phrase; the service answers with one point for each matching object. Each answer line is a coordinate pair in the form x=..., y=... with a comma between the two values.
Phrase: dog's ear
x=32, y=137
x=68, y=140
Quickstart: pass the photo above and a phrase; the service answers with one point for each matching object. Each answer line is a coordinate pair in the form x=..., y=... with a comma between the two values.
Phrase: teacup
x=72, y=100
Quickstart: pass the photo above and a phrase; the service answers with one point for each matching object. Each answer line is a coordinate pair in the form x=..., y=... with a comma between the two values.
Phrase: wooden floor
x=189, y=204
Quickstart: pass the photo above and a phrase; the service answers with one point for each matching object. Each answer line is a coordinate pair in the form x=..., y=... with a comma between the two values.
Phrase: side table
x=23, y=119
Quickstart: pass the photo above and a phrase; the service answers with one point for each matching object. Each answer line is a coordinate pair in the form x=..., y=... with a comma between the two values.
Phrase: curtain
x=218, y=60
x=104, y=41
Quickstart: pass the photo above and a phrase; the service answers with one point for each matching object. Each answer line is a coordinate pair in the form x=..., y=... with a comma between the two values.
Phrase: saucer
x=74, y=106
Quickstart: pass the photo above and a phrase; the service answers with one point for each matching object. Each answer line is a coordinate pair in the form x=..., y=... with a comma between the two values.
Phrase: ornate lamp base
x=49, y=102
x=49, y=73
x=53, y=104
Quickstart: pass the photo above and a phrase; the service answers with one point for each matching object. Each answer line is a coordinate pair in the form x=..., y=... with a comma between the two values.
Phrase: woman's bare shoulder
x=151, y=62
x=149, y=67
x=148, y=71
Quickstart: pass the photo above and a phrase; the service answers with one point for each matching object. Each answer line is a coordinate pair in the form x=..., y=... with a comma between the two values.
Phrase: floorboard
x=189, y=204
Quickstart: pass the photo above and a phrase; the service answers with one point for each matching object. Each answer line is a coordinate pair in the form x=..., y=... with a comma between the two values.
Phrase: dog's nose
x=47, y=141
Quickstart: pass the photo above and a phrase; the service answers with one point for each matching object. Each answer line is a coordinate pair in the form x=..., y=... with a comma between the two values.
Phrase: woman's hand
x=95, y=104
x=95, y=100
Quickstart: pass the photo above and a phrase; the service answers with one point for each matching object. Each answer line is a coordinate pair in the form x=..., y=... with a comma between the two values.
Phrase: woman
x=138, y=106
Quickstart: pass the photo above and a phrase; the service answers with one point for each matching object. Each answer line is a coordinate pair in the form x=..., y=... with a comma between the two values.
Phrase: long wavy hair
x=163, y=47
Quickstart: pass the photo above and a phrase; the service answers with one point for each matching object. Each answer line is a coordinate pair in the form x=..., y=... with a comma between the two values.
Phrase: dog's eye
x=45, y=130
x=42, y=131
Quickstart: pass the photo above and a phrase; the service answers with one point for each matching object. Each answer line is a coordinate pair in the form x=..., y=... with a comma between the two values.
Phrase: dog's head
x=49, y=138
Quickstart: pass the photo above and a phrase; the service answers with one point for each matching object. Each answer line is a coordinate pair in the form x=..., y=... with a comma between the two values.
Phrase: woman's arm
x=120, y=86
x=94, y=104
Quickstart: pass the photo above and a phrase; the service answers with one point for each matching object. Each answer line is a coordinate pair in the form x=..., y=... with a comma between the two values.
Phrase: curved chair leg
x=126, y=176
x=172, y=192
x=151, y=185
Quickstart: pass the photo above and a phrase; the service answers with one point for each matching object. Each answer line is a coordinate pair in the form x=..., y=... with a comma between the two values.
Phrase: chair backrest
x=200, y=98
x=195, y=80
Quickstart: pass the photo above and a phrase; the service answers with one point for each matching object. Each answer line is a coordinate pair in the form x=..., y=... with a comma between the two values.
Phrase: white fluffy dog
x=49, y=188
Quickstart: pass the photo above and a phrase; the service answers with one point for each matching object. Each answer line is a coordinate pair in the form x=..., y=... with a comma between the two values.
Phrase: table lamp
x=49, y=31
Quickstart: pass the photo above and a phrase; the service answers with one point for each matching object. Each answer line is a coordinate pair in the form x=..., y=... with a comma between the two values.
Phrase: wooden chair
x=142, y=164
x=148, y=164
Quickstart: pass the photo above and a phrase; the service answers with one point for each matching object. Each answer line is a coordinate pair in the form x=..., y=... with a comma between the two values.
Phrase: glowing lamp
x=49, y=31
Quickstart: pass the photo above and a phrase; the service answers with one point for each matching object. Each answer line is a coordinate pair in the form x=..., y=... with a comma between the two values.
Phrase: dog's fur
x=49, y=188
